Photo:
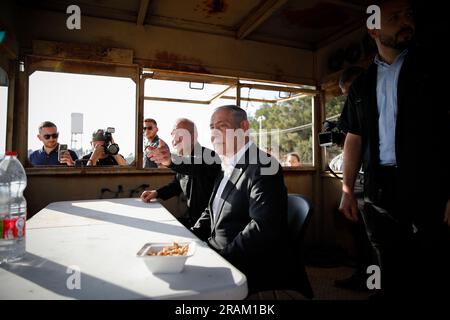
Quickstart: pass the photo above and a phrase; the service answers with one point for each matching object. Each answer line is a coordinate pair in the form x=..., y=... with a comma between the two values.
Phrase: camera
x=110, y=148
x=332, y=134
x=106, y=135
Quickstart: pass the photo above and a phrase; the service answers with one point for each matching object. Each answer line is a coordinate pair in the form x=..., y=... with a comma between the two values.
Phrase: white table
x=101, y=238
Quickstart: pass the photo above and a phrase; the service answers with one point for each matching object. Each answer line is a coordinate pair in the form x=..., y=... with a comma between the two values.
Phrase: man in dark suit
x=194, y=175
x=246, y=218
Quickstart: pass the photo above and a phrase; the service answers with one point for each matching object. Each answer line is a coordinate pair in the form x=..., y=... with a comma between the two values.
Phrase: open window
x=80, y=104
x=280, y=115
x=281, y=120
x=169, y=96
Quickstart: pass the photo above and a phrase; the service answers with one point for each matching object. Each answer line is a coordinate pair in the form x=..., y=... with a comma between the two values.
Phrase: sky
x=103, y=101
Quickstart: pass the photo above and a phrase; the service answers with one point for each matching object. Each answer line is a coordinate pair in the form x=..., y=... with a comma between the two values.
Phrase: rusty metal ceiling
x=307, y=24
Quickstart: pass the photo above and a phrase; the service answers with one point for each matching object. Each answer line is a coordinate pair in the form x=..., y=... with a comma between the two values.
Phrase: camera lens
x=113, y=149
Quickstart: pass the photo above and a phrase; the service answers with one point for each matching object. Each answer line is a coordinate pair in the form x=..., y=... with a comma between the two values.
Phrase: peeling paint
x=212, y=7
x=215, y=6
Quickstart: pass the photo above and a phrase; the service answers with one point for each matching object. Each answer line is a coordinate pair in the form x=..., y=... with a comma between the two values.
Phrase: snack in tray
x=174, y=250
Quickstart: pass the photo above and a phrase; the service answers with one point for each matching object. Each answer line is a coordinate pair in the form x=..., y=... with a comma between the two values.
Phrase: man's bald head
x=184, y=136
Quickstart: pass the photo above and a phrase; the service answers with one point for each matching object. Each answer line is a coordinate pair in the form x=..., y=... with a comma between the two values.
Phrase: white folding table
x=98, y=240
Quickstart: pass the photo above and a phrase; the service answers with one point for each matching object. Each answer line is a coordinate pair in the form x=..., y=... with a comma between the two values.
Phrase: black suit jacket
x=250, y=229
x=195, y=179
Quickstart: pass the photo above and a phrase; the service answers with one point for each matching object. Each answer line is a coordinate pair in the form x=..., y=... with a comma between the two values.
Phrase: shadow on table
x=58, y=278
x=132, y=222
x=201, y=279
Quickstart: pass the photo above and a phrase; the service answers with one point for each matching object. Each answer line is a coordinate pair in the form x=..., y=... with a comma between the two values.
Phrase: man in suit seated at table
x=246, y=218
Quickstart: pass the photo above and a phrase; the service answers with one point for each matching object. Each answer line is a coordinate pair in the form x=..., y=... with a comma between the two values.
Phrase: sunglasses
x=54, y=136
x=147, y=128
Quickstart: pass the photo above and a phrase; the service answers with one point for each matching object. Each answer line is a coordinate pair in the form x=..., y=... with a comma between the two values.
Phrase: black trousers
x=364, y=253
x=413, y=258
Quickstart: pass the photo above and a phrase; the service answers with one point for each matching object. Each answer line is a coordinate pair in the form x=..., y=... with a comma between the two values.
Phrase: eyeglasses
x=147, y=128
x=54, y=136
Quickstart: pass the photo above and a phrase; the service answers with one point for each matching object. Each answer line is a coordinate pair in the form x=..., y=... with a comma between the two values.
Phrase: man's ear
x=245, y=125
x=372, y=33
x=39, y=137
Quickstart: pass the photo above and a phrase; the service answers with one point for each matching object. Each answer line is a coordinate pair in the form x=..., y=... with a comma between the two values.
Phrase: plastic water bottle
x=13, y=207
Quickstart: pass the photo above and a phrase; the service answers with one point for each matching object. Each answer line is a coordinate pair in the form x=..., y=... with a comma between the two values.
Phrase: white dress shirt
x=228, y=165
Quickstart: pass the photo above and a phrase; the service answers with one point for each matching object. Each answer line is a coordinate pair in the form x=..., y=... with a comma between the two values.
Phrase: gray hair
x=237, y=113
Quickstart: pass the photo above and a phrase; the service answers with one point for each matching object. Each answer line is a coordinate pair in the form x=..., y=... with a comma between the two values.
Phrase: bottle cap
x=11, y=153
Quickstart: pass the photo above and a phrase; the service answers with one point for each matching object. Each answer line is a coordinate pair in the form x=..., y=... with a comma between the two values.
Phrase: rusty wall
x=173, y=49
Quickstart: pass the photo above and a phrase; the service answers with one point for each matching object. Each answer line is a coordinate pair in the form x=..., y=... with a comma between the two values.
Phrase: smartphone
x=61, y=151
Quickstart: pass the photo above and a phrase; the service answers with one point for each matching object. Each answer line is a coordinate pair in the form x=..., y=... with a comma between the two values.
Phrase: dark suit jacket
x=195, y=179
x=250, y=229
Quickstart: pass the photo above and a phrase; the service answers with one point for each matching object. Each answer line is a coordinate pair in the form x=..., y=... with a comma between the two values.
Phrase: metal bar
x=279, y=88
x=250, y=99
x=218, y=96
x=176, y=100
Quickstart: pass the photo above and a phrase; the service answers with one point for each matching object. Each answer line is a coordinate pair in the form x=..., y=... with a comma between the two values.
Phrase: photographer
x=104, y=150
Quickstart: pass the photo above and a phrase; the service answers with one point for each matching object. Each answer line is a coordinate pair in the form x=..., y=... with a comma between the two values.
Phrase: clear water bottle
x=13, y=207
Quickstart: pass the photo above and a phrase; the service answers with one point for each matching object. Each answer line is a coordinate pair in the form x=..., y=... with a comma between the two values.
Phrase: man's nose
x=408, y=21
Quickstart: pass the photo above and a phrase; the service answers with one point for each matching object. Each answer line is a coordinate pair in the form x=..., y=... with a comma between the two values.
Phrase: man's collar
x=228, y=164
x=55, y=149
x=380, y=62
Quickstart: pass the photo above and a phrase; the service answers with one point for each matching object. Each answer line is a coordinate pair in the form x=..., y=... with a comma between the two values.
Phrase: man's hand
x=161, y=155
x=99, y=153
x=67, y=159
x=349, y=206
x=146, y=196
x=120, y=160
x=447, y=213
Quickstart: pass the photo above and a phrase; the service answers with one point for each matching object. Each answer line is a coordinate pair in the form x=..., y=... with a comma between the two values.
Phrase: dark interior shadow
x=53, y=276
x=177, y=230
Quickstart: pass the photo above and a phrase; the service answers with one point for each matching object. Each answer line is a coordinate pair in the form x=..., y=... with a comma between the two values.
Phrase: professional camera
x=110, y=148
x=106, y=135
x=331, y=135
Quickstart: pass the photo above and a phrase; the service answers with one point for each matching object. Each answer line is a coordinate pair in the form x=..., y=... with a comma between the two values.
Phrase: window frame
x=35, y=63
x=139, y=75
